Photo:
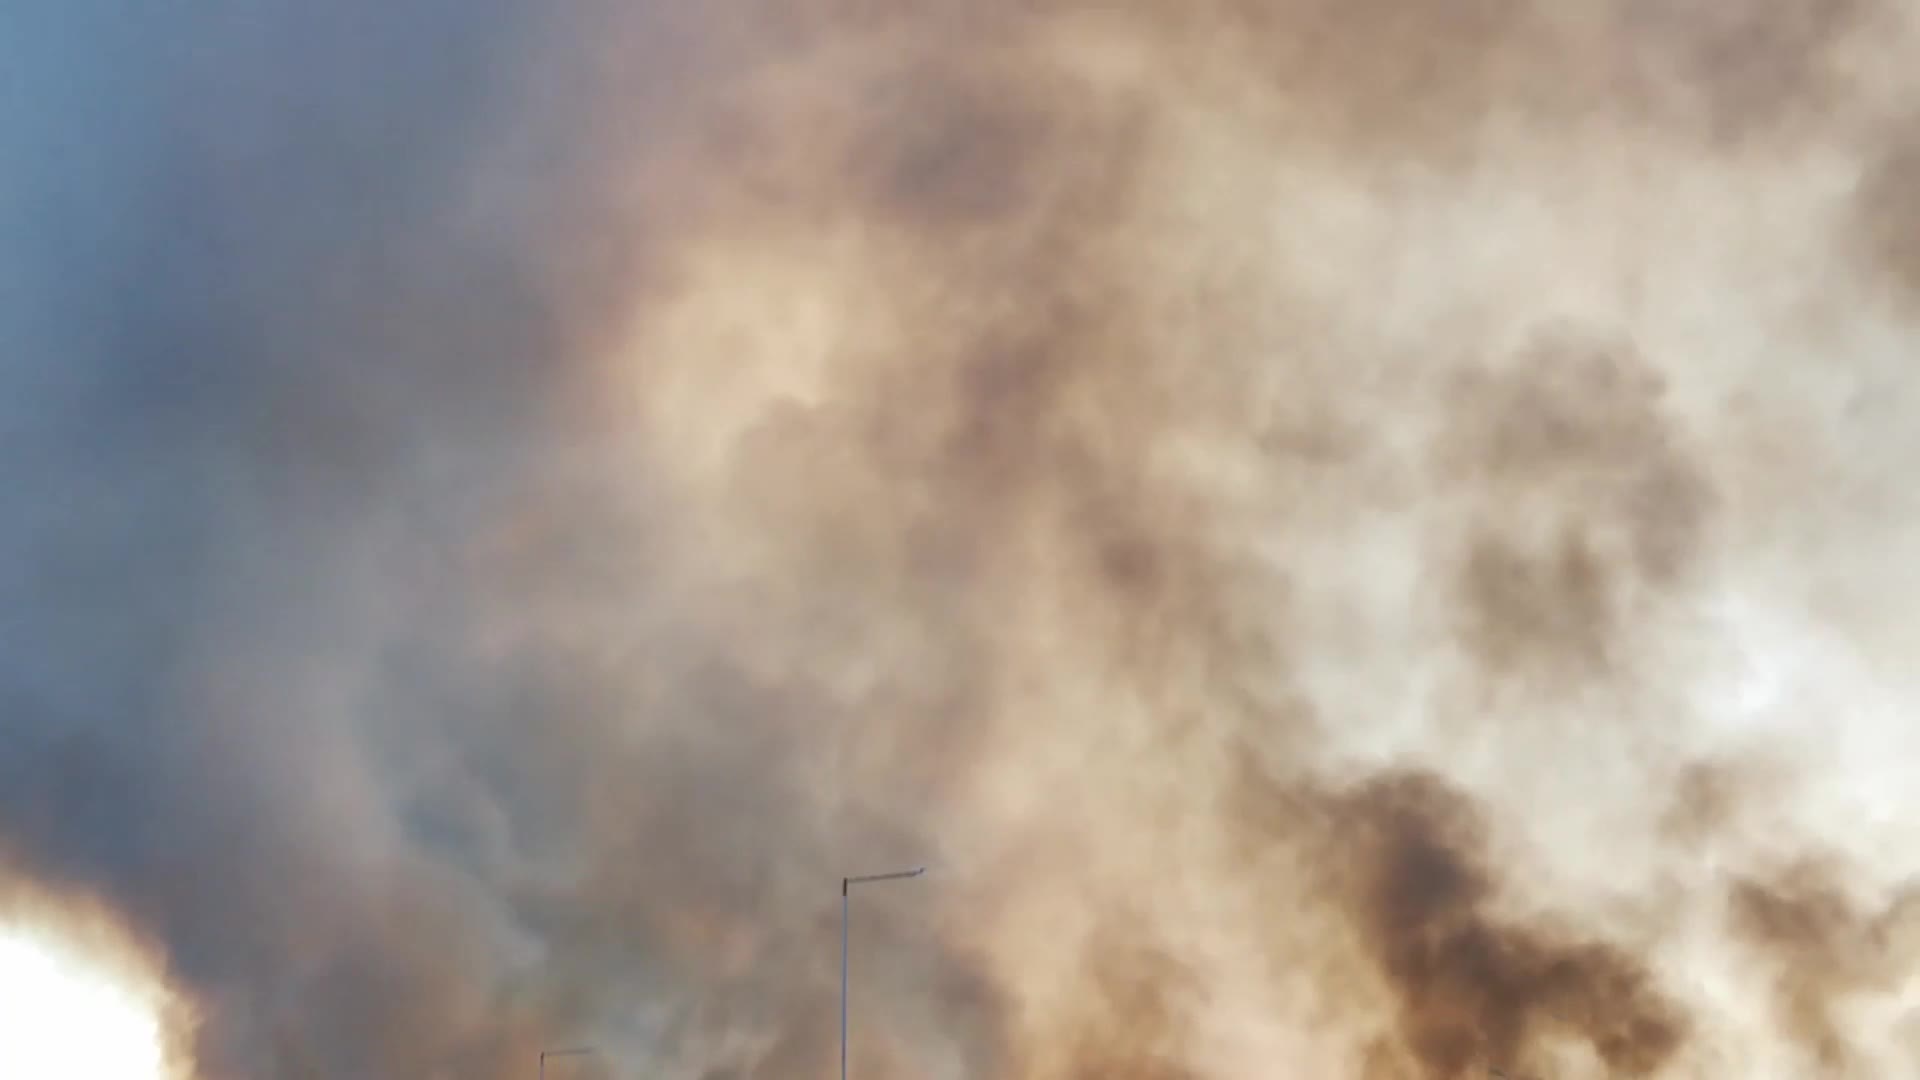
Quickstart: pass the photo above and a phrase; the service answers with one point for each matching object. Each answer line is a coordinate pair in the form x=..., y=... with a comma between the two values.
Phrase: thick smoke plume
x=1359, y=539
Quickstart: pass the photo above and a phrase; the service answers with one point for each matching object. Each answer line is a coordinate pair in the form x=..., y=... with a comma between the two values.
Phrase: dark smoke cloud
x=1473, y=989
x=1357, y=538
x=232, y=301
x=1890, y=213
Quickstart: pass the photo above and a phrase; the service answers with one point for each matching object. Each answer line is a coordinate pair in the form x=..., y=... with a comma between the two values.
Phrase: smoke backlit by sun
x=65, y=1014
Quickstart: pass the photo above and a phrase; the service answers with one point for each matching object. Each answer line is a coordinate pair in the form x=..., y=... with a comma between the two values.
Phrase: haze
x=1362, y=539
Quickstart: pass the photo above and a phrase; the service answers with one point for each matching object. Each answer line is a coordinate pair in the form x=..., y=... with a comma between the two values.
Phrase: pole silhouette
x=846, y=884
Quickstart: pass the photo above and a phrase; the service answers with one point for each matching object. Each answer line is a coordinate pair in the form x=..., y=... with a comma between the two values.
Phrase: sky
x=1354, y=538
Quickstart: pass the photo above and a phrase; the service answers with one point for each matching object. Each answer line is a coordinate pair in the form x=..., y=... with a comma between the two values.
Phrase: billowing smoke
x=1358, y=539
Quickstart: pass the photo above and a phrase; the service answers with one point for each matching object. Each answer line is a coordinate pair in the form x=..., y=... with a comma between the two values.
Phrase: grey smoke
x=1360, y=538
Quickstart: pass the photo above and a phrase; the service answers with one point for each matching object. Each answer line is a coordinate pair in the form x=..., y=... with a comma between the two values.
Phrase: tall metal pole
x=845, y=888
x=843, y=977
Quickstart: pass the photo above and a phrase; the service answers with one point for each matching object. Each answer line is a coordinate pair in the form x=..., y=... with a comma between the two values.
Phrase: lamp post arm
x=895, y=876
x=574, y=1051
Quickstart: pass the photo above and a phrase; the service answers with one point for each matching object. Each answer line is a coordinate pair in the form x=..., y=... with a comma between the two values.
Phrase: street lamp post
x=573, y=1051
x=846, y=887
